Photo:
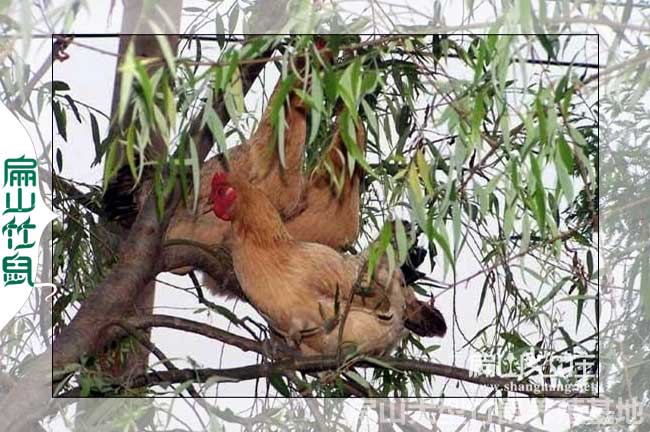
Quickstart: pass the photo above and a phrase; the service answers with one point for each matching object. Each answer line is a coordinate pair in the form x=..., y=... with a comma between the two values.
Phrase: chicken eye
x=221, y=192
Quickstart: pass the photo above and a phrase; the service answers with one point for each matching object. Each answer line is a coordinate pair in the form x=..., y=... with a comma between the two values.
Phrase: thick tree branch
x=317, y=364
x=217, y=263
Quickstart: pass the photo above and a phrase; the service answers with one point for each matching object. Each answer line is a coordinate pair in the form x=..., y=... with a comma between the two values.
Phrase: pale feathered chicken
x=302, y=289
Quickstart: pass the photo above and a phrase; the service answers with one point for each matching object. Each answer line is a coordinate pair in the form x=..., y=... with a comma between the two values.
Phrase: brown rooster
x=303, y=288
x=258, y=157
x=322, y=215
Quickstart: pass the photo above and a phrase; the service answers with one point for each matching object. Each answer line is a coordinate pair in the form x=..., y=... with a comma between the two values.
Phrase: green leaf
x=515, y=339
x=161, y=124
x=169, y=103
x=349, y=86
x=218, y=80
x=126, y=81
x=402, y=241
x=59, y=86
x=443, y=243
x=278, y=119
x=548, y=44
x=235, y=89
x=94, y=126
x=73, y=106
x=379, y=247
x=525, y=234
x=330, y=84
x=561, y=88
x=213, y=121
x=196, y=175
x=317, y=100
x=280, y=130
x=508, y=220
x=147, y=88
x=416, y=198
x=581, y=297
x=590, y=264
x=645, y=285
x=551, y=295
x=60, y=118
x=577, y=136
x=182, y=387
x=277, y=381
x=354, y=376
x=486, y=284
x=59, y=159
x=425, y=171
x=539, y=195
x=112, y=164
x=167, y=52
x=226, y=313
x=130, y=150
x=371, y=117
x=349, y=136
x=564, y=178
x=565, y=154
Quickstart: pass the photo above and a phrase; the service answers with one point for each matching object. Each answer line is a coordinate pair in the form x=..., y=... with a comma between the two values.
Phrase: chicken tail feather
x=424, y=319
x=416, y=256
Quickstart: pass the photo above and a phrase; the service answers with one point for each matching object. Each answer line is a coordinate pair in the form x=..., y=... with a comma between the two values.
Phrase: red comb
x=320, y=43
x=219, y=178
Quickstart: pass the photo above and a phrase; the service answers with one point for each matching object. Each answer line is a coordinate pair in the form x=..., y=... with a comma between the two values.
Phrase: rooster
x=265, y=170
x=323, y=214
x=305, y=290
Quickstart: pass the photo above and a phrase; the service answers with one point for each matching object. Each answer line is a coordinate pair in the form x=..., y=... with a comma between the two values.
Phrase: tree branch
x=166, y=321
x=315, y=364
x=217, y=263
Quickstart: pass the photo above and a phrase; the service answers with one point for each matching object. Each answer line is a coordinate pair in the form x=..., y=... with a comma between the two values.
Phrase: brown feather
x=329, y=217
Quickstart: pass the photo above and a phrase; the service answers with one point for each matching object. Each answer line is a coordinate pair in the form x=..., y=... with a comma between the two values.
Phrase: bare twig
x=143, y=322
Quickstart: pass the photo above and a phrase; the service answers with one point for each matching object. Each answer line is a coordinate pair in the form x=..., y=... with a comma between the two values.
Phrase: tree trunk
x=137, y=28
